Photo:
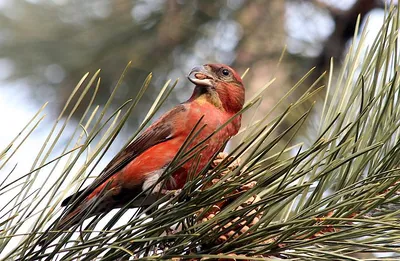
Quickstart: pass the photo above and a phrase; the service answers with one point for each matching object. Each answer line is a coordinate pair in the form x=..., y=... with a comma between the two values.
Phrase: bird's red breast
x=217, y=97
x=152, y=161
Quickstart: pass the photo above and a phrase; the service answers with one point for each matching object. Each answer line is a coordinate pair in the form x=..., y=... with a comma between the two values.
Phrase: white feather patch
x=152, y=179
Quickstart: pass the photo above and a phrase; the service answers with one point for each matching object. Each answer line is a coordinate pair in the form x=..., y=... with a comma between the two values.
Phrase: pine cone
x=233, y=228
x=240, y=223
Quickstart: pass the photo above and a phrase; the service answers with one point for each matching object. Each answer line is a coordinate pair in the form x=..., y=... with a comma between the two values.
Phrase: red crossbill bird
x=218, y=95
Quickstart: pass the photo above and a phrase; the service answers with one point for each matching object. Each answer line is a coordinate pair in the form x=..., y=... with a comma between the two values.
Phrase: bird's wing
x=160, y=131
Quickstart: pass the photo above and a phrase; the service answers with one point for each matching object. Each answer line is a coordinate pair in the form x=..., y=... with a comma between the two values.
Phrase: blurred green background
x=47, y=45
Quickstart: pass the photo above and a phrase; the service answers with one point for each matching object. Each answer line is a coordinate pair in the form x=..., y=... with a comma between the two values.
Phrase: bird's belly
x=211, y=146
x=147, y=168
x=147, y=165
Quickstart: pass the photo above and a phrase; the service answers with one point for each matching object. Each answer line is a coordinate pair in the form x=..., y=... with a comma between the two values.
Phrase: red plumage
x=217, y=97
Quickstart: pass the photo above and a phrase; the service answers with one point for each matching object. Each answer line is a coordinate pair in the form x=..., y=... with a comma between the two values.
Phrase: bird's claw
x=171, y=193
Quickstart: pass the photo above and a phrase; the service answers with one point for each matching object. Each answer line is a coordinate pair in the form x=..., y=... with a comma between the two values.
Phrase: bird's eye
x=225, y=72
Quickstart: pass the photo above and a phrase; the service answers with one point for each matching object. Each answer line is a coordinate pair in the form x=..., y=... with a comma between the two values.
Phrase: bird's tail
x=66, y=222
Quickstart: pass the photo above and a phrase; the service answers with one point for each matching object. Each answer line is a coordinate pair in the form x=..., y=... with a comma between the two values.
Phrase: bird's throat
x=207, y=95
x=210, y=98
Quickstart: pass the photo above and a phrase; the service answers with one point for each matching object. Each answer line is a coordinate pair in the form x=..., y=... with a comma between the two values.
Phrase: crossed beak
x=200, y=76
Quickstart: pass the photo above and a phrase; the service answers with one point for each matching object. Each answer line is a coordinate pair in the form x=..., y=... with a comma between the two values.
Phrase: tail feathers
x=86, y=209
x=100, y=203
x=65, y=223
x=70, y=219
x=67, y=201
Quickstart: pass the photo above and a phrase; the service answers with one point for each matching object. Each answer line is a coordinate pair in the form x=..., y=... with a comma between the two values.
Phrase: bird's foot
x=171, y=193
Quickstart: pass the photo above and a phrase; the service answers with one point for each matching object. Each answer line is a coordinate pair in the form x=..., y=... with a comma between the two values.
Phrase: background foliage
x=331, y=197
x=47, y=45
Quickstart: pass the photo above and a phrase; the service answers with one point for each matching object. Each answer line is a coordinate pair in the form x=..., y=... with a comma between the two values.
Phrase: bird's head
x=220, y=85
